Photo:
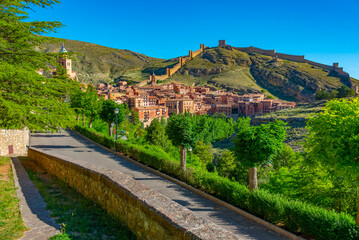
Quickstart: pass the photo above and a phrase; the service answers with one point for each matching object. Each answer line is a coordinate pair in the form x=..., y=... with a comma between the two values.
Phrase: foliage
x=203, y=152
x=28, y=99
x=255, y=145
x=334, y=136
x=156, y=134
x=286, y=157
x=341, y=92
x=11, y=223
x=226, y=163
x=292, y=215
x=91, y=103
x=107, y=113
x=180, y=130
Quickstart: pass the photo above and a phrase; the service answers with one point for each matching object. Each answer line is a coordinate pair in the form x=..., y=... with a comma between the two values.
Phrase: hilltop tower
x=65, y=62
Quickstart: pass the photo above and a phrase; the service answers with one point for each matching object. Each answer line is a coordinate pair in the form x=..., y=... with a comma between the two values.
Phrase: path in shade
x=32, y=206
x=70, y=144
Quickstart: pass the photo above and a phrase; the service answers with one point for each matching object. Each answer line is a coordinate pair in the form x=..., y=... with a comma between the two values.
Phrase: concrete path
x=72, y=145
x=32, y=206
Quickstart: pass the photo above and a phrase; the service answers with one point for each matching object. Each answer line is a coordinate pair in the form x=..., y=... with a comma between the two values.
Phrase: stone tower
x=65, y=62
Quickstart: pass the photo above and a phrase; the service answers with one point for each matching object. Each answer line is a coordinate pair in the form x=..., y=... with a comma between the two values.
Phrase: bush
x=296, y=216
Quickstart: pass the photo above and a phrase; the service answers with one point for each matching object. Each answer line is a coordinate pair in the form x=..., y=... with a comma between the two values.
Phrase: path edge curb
x=250, y=216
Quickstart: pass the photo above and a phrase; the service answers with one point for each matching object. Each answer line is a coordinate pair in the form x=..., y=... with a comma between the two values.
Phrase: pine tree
x=28, y=99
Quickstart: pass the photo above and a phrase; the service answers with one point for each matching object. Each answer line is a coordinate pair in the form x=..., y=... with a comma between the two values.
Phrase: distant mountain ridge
x=289, y=77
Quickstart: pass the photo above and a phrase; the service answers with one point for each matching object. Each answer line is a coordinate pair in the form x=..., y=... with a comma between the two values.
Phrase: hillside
x=218, y=67
x=244, y=72
x=96, y=63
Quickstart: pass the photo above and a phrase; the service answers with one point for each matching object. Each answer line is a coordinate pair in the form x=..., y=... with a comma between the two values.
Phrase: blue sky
x=325, y=31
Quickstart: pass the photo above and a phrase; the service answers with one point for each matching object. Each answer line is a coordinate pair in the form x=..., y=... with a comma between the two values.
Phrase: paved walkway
x=74, y=146
x=32, y=206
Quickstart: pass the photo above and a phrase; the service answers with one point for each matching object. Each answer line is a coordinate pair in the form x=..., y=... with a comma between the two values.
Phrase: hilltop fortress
x=296, y=58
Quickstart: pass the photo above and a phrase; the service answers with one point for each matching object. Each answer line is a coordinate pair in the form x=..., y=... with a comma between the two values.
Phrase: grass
x=79, y=217
x=11, y=223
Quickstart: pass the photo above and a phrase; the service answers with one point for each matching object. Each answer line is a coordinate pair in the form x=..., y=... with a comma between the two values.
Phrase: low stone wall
x=147, y=213
x=15, y=140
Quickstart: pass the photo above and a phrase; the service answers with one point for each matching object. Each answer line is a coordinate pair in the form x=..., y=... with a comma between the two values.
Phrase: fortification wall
x=196, y=53
x=327, y=67
x=14, y=141
x=175, y=68
x=296, y=58
x=184, y=60
x=264, y=52
x=162, y=77
x=147, y=213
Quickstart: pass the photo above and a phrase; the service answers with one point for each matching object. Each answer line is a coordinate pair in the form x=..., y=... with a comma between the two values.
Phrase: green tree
x=156, y=134
x=334, y=138
x=135, y=118
x=286, y=158
x=179, y=130
x=28, y=99
x=77, y=103
x=226, y=163
x=256, y=145
x=107, y=113
x=92, y=104
x=203, y=152
x=322, y=94
x=345, y=91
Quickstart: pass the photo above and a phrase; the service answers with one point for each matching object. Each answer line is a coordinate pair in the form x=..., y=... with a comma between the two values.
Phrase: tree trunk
x=109, y=128
x=90, y=123
x=77, y=117
x=357, y=219
x=83, y=119
x=253, y=181
x=183, y=157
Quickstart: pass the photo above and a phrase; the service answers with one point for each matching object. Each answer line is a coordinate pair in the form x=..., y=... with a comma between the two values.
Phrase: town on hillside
x=157, y=101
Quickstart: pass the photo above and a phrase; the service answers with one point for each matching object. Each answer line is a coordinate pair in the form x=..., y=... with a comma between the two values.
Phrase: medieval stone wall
x=14, y=140
x=295, y=58
x=181, y=62
x=147, y=213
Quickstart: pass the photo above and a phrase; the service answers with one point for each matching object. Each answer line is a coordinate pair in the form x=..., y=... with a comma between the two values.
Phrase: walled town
x=156, y=101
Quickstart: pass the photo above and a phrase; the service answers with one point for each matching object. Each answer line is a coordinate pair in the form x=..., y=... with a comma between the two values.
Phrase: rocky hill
x=95, y=63
x=249, y=72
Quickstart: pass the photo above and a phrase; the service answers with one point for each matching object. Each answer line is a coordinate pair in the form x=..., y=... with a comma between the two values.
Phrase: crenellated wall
x=147, y=213
x=181, y=61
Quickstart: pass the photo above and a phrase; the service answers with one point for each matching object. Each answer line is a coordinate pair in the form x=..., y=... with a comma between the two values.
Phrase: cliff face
x=245, y=72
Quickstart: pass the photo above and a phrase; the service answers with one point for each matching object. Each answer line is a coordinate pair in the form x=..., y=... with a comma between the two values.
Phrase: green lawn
x=11, y=224
x=79, y=217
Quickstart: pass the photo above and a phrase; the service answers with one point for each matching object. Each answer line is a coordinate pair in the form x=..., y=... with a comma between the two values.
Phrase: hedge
x=295, y=216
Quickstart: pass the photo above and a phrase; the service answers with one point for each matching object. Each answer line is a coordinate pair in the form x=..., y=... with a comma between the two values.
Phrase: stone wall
x=296, y=58
x=181, y=62
x=17, y=139
x=147, y=213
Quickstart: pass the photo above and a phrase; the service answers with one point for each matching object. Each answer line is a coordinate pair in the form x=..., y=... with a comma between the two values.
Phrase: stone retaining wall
x=15, y=139
x=147, y=213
